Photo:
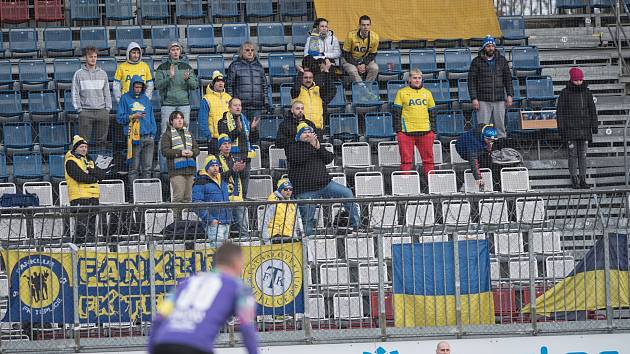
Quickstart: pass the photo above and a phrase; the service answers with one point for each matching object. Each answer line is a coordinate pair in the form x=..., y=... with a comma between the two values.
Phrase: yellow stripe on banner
x=584, y=291
x=424, y=311
x=412, y=20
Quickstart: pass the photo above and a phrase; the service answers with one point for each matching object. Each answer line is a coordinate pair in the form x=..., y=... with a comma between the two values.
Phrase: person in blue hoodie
x=211, y=187
x=475, y=146
x=135, y=113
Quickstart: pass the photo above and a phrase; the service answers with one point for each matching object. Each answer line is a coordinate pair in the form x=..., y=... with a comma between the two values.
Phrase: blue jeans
x=217, y=234
x=240, y=219
x=331, y=191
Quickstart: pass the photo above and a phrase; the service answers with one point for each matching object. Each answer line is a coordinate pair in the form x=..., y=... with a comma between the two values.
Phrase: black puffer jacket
x=576, y=113
x=246, y=80
x=488, y=82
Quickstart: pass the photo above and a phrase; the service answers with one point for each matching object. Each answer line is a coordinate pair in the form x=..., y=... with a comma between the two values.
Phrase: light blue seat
x=207, y=64
x=378, y=125
x=188, y=9
x=268, y=127
x=425, y=60
x=10, y=106
x=234, y=34
x=32, y=74
x=513, y=28
x=299, y=33
x=224, y=9
x=154, y=10
x=292, y=8
x=344, y=126
x=17, y=136
x=201, y=37
x=271, y=35
x=259, y=8
x=43, y=104
x=28, y=166
x=539, y=88
x=23, y=41
x=53, y=136
x=58, y=40
x=163, y=36
x=440, y=90
x=339, y=101
x=119, y=10
x=457, y=60
x=525, y=59
x=84, y=10
x=392, y=89
x=366, y=94
x=463, y=96
x=450, y=123
x=64, y=69
x=97, y=37
x=56, y=167
x=389, y=63
x=128, y=34
x=281, y=65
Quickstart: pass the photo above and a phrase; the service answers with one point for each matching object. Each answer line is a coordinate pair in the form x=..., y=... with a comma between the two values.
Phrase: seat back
x=189, y=9
x=339, y=101
x=32, y=71
x=271, y=35
x=56, y=168
x=154, y=9
x=27, y=165
x=439, y=89
x=163, y=36
x=53, y=135
x=405, y=183
x=379, y=125
x=108, y=65
x=514, y=179
x=493, y=211
x=260, y=187
x=299, y=33
x=58, y=39
x=82, y=10
x=450, y=123
x=469, y=181
x=455, y=212
x=388, y=154
x=457, y=60
x=423, y=59
x=43, y=102
x=512, y=26
x=462, y=91
x=10, y=103
x=43, y=191
x=18, y=135
x=224, y=8
x=442, y=182
x=128, y=34
x=268, y=127
x=293, y=8
x=207, y=64
x=420, y=214
x=365, y=93
x=344, y=125
x=23, y=40
x=147, y=190
x=368, y=184
x=285, y=95
x=282, y=65
x=234, y=34
x=94, y=36
x=119, y=10
x=64, y=69
x=259, y=8
x=540, y=87
x=392, y=89
x=525, y=58
x=388, y=61
x=356, y=155
x=201, y=36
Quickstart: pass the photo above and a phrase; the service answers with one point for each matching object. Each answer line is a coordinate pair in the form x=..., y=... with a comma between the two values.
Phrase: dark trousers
x=85, y=221
x=577, y=157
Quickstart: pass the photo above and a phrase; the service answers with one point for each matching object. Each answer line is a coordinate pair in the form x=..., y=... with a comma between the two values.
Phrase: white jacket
x=332, y=50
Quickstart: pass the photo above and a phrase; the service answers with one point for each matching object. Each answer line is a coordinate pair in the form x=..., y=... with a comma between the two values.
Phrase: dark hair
x=89, y=50
x=174, y=115
x=318, y=21
x=365, y=18
x=227, y=253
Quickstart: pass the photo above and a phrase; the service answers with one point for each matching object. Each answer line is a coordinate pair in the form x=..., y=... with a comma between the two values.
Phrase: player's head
x=229, y=258
x=443, y=348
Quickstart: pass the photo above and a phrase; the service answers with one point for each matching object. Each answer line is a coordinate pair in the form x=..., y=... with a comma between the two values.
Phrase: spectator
x=322, y=47
x=211, y=187
x=412, y=124
x=476, y=146
x=135, y=113
x=316, y=97
x=282, y=221
x=236, y=125
x=82, y=178
x=306, y=162
x=174, y=78
x=246, y=80
x=180, y=149
x=213, y=105
x=443, y=348
x=577, y=122
x=232, y=169
x=130, y=68
x=92, y=99
x=490, y=86
x=359, y=51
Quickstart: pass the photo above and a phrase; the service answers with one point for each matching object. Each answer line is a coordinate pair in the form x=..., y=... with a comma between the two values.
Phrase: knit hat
x=216, y=76
x=211, y=160
x=76, y=141
x=302, y=128
x=284, y=183
x=576, y=74
x=175, y=44
x=487, y=41
x=223, y=138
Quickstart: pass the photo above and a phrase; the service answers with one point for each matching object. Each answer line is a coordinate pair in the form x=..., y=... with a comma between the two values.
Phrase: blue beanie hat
x=302, y=128
x=223, y=138
x=284, y=183
x=488, y=40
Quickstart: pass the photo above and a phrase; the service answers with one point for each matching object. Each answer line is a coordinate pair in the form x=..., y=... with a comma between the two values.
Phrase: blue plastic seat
x=450, y=123
x=457, y=60
x=194, y=97
x=378, y=125
x=425, y=60
x=23, y=40
x=27, y=165
x=571, y=4
x=4, y=171
x=64, y=70
x=513, y=28
x=389, y=63
x=366, y=94
x=539, y=88
x=299, y=33
x=2, y=46
x=33, y=72
x=188, y=9
x=58, y=40
x=6, y=75
x=339, y=101
x=53, y=136
x=201, y=37
x=603, y=4
x=281, y=65
x=18, y=135
x=525, y=59
x=156, y=101
x=163, y=36
x=97, y=37
x=268, y=127
x=119, y=10
x=271, y=35
x=517, y=99
x=234, y=34
x=513, y=121
x=440, y=90
x=224, y=8
x=56, y=167
x=259, y=8
x=108, y=64
x=128, y=34
x=207, y=64
x=11, y=105
x=344, y=126
x=68, y=107
x=292, y=8
x=154, y=10
x=43, y=103
x=84, y=10
x=463, y=96
x=285, y=95
x=392, y=89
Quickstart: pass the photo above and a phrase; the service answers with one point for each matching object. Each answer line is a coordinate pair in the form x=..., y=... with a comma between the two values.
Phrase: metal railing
x=430, y=265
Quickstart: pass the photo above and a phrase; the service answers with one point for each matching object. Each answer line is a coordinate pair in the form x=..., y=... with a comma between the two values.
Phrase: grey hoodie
x=90, y=89
x=117, y=90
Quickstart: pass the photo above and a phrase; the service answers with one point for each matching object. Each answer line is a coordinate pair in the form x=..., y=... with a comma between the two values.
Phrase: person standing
x=412, y=123
x=443, y=348
x=315, y=96
x=359, y=52
x=92, y=99
x=232, y=169
x=133, y=66
x=490, y=86
x=215, y=102
x=577, y=122
x=322, y=47
x=180, y=150
x=174, y=79
x=246, y=80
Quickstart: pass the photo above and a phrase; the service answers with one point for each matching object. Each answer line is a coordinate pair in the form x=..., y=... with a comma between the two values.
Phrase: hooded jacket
x=127, y=70
x=131, y=104
x=174, y=92
x=470, y=146
x=281, y=220
x=315, y=98
x=327, y=47
x=90, y=89
x=576, y=113
x=211, y=110
x=247, y=81
x=208, y=189
x=490, y=80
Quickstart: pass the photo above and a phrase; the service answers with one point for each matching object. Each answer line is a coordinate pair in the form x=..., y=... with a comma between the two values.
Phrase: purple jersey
x=195, y=313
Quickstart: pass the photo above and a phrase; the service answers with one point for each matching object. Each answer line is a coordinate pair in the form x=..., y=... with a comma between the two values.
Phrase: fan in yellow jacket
x=214, y=103
x=282, y=220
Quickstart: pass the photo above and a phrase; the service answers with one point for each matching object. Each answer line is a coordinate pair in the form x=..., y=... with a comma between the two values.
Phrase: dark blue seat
x=271, y=35
x=603, y=4
x=389, y=63
x=207, y=64
x=525, y=59
x=292, y=8
x=440, y=90
x=259, y=8
x=11, y=105
x=281, y=65
x=378, y=125
x=425, y=60
x=58, y=40
x=268, y=127
x=94, y=36
x=234, y=34
x=339, y=101
x=84, y=10
x=6, y=75
x=571, y=4
x=17, y=136
x=299, y=33
x=188, y=9
x=366, y=94
x=154, y=10
x=53, y=136
x=23, y=40
x=64, y=70
x=344, y=126
x=128, y=34
x=28, y=166
x=156, y=101
x=518, y=98
x=285, y=95
x=194, y=97
x=539, y=88
x=119, y=10
x=513, y=28
x=43, y=103
x=463, y=96
x=56, y=167
x=109, y=65
x=224, y=8
x=392, y=89
x=457, y=60
x=4, y=171
x=33, y=72
x=450, y=123
x=201, y=37
x=68, y=107
x=163, y=36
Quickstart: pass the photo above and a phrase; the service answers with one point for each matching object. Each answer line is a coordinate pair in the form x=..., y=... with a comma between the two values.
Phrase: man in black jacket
x=490, y=86
x=246, y=80
x=306, y=161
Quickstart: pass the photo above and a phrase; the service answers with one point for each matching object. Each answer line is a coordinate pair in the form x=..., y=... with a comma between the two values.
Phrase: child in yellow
x=282, y=220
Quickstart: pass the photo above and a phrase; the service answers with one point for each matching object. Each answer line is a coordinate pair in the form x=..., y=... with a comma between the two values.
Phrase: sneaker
x=583, y=184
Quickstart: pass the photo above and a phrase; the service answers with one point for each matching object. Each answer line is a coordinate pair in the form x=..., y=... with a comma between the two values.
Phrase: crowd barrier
x=430, y=265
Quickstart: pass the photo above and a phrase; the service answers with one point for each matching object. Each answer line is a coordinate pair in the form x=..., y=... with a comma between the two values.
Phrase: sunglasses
x=288, y=189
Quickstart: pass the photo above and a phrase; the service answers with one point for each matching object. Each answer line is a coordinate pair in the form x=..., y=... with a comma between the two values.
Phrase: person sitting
x=475, y=146
x=359, y=52
x=282, y=221
x=322, y=47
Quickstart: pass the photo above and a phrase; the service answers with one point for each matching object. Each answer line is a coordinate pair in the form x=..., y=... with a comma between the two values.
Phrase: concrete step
x=602, y=72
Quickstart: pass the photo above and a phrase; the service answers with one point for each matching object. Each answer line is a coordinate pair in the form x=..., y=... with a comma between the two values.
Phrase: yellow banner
x=398, y=20
x=425, y=311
